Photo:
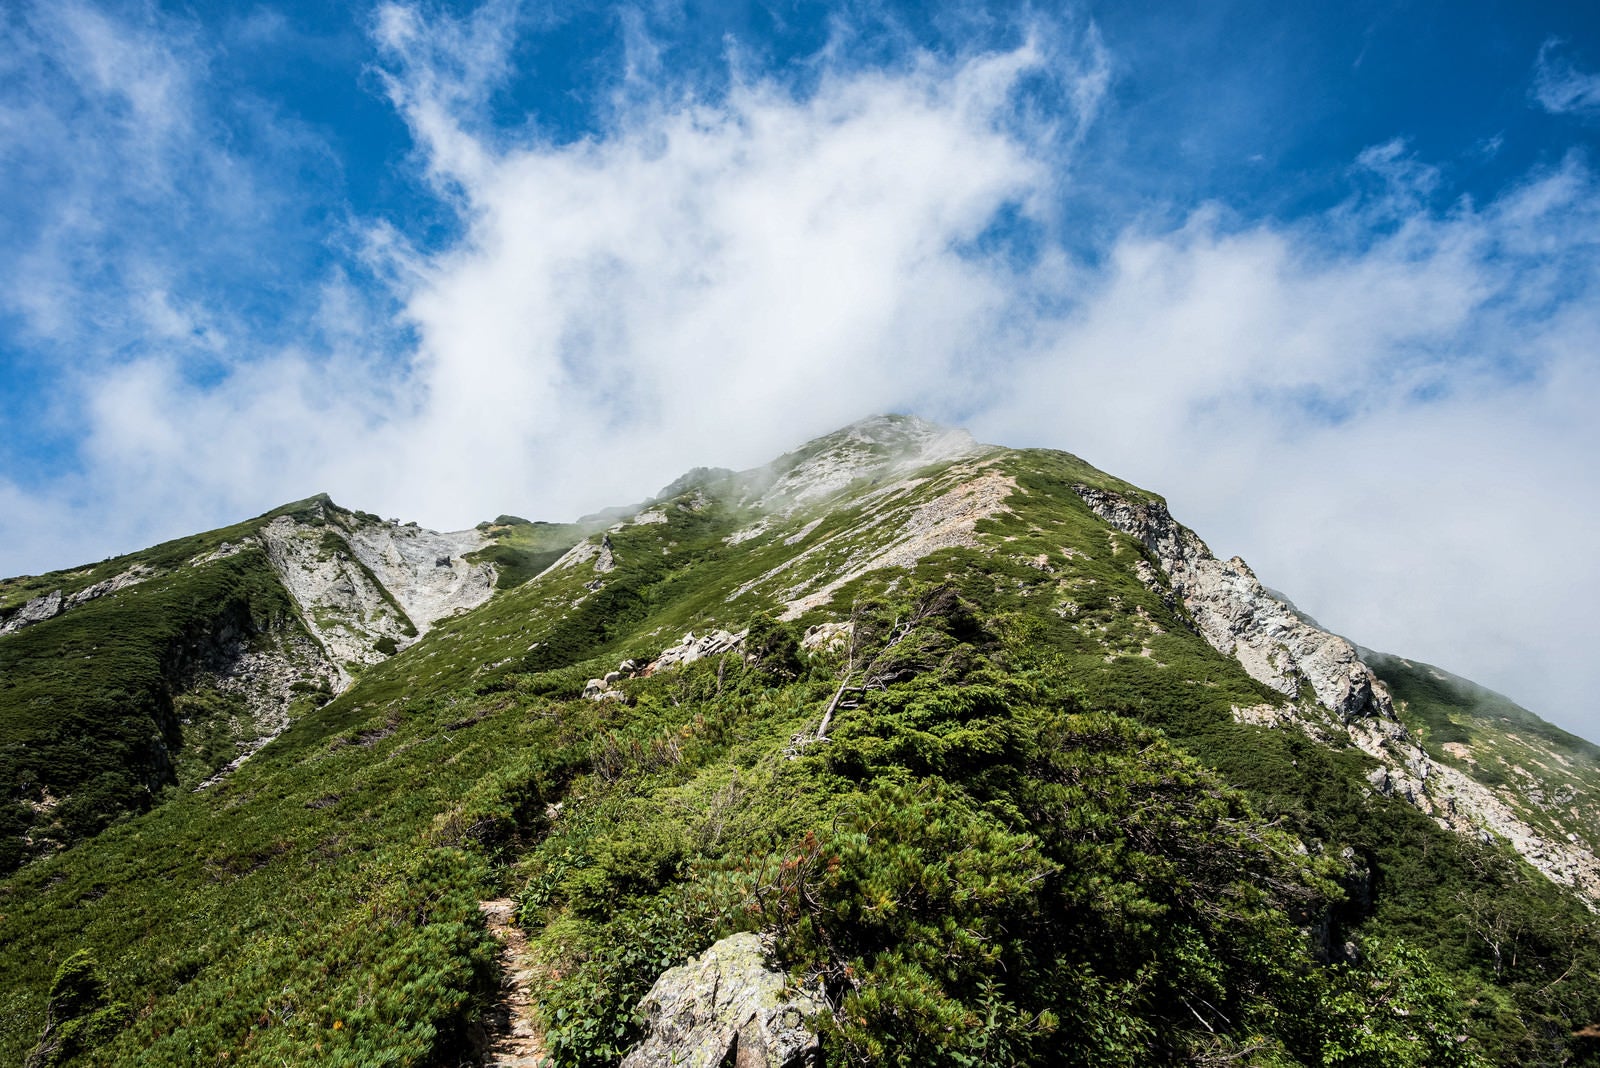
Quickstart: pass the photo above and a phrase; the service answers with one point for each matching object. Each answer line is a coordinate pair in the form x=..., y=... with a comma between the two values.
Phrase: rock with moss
x=727, y=1007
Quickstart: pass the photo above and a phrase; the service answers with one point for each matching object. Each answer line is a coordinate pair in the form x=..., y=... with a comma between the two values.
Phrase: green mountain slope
x=150, y=673
x=1548, y=777
x=991, y=751
x=110, y=700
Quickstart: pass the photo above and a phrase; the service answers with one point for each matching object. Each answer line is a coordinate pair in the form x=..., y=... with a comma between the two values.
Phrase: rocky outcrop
x=341, y=602
x=687, y=651
x=900, y=522
x=1471, y=807
x=604, y=689
x=46, y=606
x=52, y=604
x=827, y=636
x=425, y=571
x=267, y=674
x=1241, y=618
x=606, y=560
x=367, y=588
x=726, y=1008
x=1330, y=688
x=690, y=648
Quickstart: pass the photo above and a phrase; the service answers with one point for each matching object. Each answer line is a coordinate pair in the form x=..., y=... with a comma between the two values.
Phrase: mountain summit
x=899, y=749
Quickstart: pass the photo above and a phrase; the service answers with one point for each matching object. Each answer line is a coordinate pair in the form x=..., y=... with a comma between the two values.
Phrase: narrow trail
x=514, y=1040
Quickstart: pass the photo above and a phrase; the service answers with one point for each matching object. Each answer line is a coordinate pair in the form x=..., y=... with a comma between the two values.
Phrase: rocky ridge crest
x=1331, y=690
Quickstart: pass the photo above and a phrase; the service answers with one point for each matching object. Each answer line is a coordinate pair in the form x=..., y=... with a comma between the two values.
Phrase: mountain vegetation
x=908, y=707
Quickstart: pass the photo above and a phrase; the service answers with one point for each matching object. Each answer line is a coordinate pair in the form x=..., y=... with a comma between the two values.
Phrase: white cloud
x=1560, y=87
x=622, y=308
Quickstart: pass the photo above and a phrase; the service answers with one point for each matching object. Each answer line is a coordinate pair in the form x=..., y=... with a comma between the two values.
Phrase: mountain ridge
x=613, y=682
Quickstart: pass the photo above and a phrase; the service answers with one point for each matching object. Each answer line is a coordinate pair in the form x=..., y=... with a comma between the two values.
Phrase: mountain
x=899, y=749
x=167, y=667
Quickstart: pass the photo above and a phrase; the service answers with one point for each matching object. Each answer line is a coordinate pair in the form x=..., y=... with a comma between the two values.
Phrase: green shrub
x=78, y=1018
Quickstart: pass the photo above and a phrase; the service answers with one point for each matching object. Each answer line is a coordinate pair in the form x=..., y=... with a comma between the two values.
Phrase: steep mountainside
x=163, y=668
x=1547, y=780
x=1000, y=763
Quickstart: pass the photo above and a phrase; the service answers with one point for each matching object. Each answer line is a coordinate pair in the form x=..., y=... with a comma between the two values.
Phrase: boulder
x=727, y=1008
x=692, y=648
x=826, y=636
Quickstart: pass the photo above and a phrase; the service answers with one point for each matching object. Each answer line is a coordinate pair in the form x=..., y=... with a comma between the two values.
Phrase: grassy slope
x=1554, y=776
x=94, y=704
x=522, y=549
x=320, y=904
x=164, y=557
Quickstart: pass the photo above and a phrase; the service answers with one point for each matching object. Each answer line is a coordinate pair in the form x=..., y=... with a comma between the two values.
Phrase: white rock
x=726, y=1007
x=826, y=636
x=37, y=610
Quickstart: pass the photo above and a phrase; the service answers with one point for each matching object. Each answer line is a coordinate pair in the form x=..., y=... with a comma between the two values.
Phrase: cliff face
x=367, y=588
x=171, y=667
x=1331, y=689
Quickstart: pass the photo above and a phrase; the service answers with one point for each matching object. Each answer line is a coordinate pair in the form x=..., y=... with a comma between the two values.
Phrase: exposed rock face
x=342, y=605
x=1278, y=646
x=901, y=521
x=581, y=553
x=606, y=560
x=46, y=606
x=266, y=679
x=52, y=604
x=1242, y=619
x=424, y=570
x=363, y=585
x=726, y=1008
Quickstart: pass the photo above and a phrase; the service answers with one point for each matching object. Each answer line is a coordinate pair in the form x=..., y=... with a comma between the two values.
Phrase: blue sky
x=1328, y=276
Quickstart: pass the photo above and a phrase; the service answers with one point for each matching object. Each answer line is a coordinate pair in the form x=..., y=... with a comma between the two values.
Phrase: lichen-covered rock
x=726, y=1007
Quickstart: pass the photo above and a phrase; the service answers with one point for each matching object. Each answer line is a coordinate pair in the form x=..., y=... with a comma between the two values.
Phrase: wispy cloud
x=1560, y=87
x=153, y=190
x=94, y=107
x=654, y=296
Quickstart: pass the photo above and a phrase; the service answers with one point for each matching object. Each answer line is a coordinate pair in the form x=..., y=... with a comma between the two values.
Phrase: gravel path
x=514, y=1040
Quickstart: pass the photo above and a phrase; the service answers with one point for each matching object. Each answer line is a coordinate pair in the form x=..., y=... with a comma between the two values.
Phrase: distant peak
x=874, y=447
x=894, y=429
